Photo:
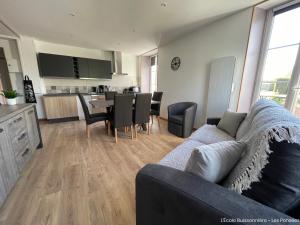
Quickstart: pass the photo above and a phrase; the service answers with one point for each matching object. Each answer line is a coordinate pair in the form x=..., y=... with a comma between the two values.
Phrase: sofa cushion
x=209, y=134
x=178, y=157
x=176, y=119
x=213, y=162
x=230, y=122
x=279, y=186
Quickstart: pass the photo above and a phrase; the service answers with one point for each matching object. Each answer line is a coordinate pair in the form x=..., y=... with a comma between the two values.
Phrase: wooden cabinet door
x=3, y=189
x=32, y=127
x=8, y=168
x=68, y=106
x=57, y=107
x=52, y=107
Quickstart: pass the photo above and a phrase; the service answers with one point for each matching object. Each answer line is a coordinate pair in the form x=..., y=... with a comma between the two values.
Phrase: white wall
x=12, y=55
x=145, y=69
x=252, y=59
x=226, y=37
x=30, y=64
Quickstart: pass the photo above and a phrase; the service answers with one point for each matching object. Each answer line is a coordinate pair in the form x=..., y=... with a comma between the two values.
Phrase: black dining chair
x=122, y=114
x=141, y=113
x=109, y=95
x=91, y=119
x=155, y=108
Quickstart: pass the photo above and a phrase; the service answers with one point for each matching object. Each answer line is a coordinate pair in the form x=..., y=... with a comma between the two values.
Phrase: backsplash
x=77, y=89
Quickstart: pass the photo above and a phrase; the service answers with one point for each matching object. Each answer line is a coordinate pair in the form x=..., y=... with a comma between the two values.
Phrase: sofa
x=168, y=195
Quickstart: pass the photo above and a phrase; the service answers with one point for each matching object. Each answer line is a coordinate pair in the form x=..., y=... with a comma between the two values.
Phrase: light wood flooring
x=80, y=181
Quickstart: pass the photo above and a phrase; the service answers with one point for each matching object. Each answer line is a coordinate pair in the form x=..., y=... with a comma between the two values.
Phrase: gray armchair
x=181, y=117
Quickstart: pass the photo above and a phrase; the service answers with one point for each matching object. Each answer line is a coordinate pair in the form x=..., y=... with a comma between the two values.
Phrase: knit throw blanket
x=267, y=121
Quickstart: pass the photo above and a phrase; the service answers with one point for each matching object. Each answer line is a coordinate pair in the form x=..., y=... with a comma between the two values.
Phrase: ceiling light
x=163, y=4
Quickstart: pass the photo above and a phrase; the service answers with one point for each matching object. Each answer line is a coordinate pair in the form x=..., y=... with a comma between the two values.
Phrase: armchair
x=181, y=117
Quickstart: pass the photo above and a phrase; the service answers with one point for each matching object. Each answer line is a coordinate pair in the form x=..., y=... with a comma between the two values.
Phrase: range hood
x=117, y=63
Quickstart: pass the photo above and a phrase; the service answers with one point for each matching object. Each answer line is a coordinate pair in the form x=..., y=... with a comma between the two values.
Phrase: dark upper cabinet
x=83, y=67
x=99, y=69
x=56, y=65
x=73, y=67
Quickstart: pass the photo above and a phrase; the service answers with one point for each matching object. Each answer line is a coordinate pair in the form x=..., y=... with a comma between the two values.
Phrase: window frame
x=294, y=83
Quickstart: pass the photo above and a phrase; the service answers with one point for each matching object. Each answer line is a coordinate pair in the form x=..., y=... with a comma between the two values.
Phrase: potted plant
x=11, y=96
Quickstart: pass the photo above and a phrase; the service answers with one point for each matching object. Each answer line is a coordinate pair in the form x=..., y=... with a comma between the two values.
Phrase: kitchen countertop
x=9, y=111
x=71, y=94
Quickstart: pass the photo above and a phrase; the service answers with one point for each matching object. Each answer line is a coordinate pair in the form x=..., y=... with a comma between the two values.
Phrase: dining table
x=102, y=103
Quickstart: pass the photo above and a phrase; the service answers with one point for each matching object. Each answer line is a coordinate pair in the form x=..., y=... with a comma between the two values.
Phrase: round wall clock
x=175, y=63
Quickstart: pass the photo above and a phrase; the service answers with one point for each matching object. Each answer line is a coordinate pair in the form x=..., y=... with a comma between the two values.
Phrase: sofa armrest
x=189, y=119
x=213, y=121
x=171, y=197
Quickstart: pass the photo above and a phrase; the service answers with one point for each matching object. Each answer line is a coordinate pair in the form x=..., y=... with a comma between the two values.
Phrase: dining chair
x=141, y=113
x=109, y=95
x=155, y=108
x=91, y=119
x=122, y=113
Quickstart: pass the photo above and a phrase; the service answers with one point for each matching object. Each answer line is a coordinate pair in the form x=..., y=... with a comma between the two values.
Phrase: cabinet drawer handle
x=1, y=130
x=22, y=136
x=31, y=111
x=25, y=152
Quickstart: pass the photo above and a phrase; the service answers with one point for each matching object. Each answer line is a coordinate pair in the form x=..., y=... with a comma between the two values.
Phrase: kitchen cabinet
x=32, y=127
x=83, y=67
x=99, y=69
x=61, y=107
x=19, y=138
x=8, y=167
x=56, y=65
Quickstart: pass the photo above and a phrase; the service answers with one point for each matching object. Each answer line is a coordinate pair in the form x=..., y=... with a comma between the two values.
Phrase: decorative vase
x=11, y=101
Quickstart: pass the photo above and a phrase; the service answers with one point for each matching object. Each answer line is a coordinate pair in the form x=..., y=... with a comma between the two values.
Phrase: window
x=153, y=78
x=281, y=56
x=278, y=76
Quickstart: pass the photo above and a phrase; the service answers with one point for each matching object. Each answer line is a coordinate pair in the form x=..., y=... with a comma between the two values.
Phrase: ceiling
x=131, y=26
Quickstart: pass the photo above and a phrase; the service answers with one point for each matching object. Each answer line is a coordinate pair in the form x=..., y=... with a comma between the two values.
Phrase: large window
x=279, y=74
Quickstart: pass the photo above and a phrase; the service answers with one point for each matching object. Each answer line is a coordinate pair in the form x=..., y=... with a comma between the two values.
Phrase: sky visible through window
x=283, y=47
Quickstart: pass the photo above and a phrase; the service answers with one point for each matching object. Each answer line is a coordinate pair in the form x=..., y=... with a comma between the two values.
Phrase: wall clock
x=175, y=63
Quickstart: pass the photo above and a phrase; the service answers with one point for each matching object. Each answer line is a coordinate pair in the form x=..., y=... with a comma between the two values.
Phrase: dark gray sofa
x=166, y=196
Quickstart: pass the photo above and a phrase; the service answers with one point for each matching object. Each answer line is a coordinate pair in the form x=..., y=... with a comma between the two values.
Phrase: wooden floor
x=80, y=181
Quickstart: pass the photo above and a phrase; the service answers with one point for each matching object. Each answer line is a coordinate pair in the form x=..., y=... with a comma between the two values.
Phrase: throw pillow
x=213, y=162
x=230, y=122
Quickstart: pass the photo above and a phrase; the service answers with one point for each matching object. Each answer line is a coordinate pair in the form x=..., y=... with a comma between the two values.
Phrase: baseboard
x=67, y=119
